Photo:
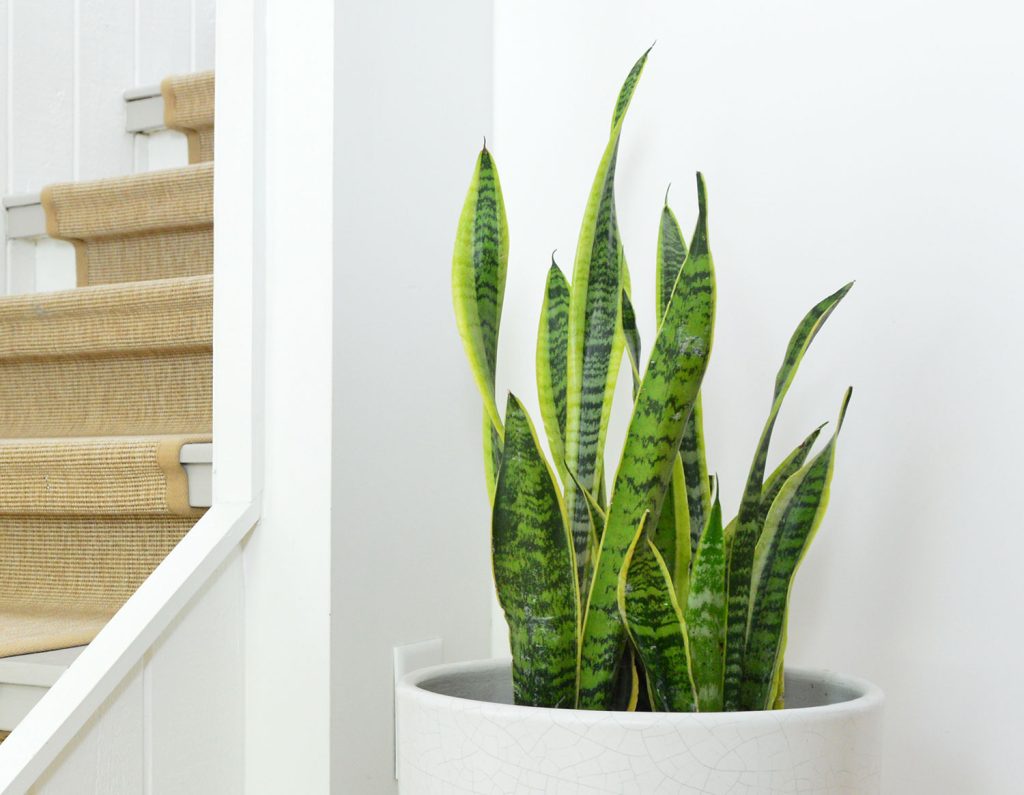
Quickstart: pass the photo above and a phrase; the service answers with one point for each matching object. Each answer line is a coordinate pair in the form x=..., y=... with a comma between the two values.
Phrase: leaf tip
x=667, y=189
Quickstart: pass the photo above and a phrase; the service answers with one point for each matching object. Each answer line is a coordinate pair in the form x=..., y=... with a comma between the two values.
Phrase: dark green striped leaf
x=792, y=522
x=667, y=393
x=478, y=276
x=648, y=606
x=628, y=87
x=671, y=255
x=552, y=361
x=535, y=569
x=632, y=336
x=705, y=612
x=673, y=524
x=595, y=337
x=748, y=521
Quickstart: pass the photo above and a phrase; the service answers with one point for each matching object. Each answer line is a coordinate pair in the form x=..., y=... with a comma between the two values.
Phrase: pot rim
x=869, y=697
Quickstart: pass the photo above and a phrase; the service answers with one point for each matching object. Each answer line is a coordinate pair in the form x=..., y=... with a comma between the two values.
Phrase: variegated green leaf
x=648, y=606
x=695, y=472
x=595, y=339
x=628, y=87
x=478, y=276
x=705, y=612
x=667, y=393
x=673, y=523
x=627, y=689
x=632, y=335
x=552, y=361
x=748, y=521
x=671, y=255
x=535, y=569
x=492, y=456
x=792, y=522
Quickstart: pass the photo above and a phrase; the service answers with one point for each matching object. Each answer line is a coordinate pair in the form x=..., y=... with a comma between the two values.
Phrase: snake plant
x=643, y=599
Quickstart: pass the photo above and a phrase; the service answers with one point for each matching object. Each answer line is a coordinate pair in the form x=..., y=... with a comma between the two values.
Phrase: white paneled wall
x=66, y=65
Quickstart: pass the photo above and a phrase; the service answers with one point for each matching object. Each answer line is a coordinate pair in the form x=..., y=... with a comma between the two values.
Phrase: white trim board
x=144, y=110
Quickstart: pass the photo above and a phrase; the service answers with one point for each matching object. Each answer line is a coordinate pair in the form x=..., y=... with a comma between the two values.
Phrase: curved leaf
x=705, y=612
x=748, y=521
x=552, y=361
x=535, y=569
x=792, y=522
x=669, y=388
x=478, y=275
x=595, y=339
x=651, y=614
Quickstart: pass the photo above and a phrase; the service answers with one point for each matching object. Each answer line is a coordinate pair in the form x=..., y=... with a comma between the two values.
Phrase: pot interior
x=493, y=684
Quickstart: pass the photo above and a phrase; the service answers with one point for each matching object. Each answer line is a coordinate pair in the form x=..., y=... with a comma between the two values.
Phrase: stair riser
x=166, y=255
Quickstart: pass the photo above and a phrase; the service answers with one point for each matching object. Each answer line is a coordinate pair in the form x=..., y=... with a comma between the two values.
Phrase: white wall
x=64, y=66
x=879, y=141
x=410, y=561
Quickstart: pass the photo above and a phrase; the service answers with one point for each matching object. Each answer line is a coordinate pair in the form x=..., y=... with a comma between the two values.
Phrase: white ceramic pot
x=458, y=732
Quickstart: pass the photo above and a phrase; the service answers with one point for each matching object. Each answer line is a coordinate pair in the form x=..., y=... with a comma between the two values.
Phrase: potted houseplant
x=647, y=635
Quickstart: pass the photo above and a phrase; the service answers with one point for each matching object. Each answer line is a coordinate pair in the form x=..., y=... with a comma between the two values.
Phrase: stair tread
x=175, y=313
x=151, y=201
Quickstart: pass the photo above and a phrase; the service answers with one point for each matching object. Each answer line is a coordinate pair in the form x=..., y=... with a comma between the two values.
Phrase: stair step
x=108, y=476
x=109, y=360
x=189, y=108
x=154, y=225
x=24, y=679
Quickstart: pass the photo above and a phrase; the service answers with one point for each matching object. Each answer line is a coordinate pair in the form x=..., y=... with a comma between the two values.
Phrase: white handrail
x=121, y=644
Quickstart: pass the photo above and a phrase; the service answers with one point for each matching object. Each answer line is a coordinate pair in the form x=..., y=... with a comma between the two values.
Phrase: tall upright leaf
x=706, y=614
x=670, y=386
x=595, y=338
x=748, y=524
x=792, y=522
x=632, y=336
x=552, y=361
x=535, y=569
x=652, y=617
x=479, y=263
x=670, y=258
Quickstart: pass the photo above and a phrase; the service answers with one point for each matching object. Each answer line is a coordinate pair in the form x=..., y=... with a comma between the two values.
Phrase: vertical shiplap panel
x=105, y=68
x=41, y=48
x=163, y=42
x=195, y=693
x=204, y=31
x=108, y=754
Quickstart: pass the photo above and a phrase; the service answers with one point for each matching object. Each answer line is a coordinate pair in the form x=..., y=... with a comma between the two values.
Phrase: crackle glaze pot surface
x=458, y=732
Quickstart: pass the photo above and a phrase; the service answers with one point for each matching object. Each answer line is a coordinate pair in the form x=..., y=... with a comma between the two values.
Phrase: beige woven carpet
x=147, y=226
x=99, y=389
x=188, y=107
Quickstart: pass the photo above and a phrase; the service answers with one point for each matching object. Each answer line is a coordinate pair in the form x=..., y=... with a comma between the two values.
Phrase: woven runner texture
x=101, y=386
x=188, y=108
x=147, y=226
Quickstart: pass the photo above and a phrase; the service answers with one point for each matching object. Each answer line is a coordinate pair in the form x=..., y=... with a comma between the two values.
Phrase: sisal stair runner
x=188, y=108
x=100, y=387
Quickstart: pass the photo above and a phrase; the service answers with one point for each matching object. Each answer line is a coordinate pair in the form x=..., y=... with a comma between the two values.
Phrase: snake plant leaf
x=792, y=522
x=479, y=263
x=552, y=361
x=628, y=87
x=670, y=258
x=649, y=609
x=667, y=393
x=492, y=456
x=776, y=479
x=705, y=612
x=632, y=336
x=673, y=524
x=748, y=521
x=535, y=569
x=595, y=338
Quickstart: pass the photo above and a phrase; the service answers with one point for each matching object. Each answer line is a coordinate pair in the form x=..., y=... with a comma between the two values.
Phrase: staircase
x=105, y=393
